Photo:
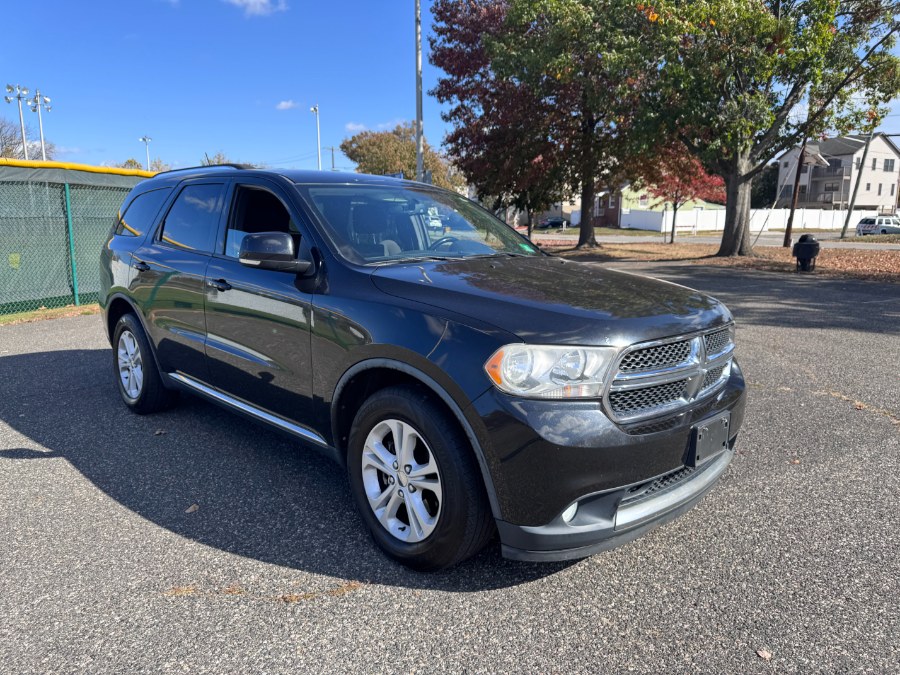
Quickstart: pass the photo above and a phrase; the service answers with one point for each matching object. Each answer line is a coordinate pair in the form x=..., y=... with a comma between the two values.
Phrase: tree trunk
x=586, y=228
x=674, y=220
x=530, y=218
x=736, y=237
x=586, y=236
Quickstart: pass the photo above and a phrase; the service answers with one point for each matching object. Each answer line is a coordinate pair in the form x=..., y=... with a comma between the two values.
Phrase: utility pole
x=20, y=94
x=332, y=148
x=420, y=144
x=862, y=167
x=790, y=223
x=315, y=109
x=36, y=104
x=146, y=141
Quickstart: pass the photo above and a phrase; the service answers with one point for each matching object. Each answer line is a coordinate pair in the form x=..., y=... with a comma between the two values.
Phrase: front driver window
x=257, y=210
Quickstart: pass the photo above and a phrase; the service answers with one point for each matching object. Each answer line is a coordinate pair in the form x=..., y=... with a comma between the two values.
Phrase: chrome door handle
x=219, y=284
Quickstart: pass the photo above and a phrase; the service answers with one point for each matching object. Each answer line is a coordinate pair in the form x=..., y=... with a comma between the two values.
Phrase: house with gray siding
x=829, y=172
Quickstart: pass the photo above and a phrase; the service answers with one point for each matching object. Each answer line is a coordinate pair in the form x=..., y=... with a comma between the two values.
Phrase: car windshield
x=375, y=224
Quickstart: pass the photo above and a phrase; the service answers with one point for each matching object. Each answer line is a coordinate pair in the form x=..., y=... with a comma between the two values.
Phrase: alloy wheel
x=131, y=365
x=401, y=480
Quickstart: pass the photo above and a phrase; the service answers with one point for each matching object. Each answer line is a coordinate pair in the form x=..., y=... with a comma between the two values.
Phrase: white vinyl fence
x=703, y=220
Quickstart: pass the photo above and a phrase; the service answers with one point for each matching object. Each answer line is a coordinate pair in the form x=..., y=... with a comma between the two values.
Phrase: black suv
x=466, y=389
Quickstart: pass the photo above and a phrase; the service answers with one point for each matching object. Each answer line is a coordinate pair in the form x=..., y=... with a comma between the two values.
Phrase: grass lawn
x=41, y=314
x=835, y=263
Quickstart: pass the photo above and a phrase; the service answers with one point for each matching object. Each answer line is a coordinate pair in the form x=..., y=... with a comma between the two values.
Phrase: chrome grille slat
x=659, y=377
x=647, y=398
x=667, y=355
x=712, y=376
x=717, y=342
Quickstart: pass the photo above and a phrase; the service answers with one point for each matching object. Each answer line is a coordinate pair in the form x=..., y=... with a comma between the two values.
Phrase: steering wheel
x=442, y=241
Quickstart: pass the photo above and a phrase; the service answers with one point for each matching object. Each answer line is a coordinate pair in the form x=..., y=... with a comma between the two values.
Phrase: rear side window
x=191, y=222
x=140, y=215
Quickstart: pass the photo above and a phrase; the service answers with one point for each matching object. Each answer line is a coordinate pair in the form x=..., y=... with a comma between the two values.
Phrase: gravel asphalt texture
x=193, y=541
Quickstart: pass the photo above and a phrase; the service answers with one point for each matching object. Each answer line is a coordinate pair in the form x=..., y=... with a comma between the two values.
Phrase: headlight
x=550, y=372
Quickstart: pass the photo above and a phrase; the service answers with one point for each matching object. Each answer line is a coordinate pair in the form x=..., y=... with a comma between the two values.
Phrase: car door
x=258, y=321
x=170, y=272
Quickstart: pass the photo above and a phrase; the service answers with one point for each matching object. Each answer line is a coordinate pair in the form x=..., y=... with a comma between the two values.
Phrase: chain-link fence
x=53, y=222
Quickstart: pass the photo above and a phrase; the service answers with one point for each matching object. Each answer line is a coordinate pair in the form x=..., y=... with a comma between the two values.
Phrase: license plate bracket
x=709, y=438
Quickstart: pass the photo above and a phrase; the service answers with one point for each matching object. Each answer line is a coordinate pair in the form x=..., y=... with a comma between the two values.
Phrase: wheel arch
x=117, y=306
x=366, y=377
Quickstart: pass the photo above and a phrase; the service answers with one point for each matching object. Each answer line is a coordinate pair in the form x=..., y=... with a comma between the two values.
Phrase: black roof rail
x=227, y=165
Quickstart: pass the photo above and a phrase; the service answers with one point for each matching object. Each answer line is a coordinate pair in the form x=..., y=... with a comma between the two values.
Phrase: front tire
x=140, y=384
x=415, y=481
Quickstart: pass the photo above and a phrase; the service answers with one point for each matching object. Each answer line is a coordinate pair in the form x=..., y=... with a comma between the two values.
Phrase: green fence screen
x=51, y=233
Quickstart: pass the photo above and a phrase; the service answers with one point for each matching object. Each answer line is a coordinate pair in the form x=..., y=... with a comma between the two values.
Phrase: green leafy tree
x=589, y=58
x=501, y=131
x=385, y=152
x=740, y=81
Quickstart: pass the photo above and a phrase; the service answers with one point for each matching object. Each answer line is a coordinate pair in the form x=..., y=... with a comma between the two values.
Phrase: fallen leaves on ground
x=192, y=508
x=764, y=654
x=870, y=265
x=180, y=591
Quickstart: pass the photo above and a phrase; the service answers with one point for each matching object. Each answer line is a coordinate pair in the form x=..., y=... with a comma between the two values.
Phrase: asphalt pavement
x=193, y=541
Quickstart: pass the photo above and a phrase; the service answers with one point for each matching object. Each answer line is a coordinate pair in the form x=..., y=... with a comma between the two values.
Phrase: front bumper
x=561, y=541
x=627, y=479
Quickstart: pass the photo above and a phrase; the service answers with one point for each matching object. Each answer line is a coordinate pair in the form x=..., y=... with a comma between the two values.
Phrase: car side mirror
x=272, y=251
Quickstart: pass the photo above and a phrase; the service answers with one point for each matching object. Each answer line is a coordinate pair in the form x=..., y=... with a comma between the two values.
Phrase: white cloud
x=67, y=150
x=286, y=105
x=354, y=127
x=390, y=126
x=259, y=7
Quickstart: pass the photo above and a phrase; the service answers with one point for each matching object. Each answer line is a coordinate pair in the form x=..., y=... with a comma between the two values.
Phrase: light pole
x=20, y=94
x=146, y=141
x=420, y=144
x=36, y=104
x=315, y=109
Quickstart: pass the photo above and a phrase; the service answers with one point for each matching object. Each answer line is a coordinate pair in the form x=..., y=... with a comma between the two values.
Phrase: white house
x=830, y=169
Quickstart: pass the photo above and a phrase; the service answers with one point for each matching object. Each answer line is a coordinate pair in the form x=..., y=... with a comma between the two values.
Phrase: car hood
x=546, y=300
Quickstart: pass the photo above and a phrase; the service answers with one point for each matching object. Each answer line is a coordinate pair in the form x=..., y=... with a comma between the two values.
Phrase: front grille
x=656, y=357
x=632, y=401
x=717, y=342
x=653, y=379
x=712, y=376
x=645, y=490
x=654, y=426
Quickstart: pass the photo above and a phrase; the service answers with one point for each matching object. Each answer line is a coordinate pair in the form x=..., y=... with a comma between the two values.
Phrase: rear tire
x=422, y=498
x=134, y=366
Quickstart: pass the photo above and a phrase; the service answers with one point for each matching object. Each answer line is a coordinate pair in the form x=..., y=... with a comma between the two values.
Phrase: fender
x=167, y=383
x=436, y=389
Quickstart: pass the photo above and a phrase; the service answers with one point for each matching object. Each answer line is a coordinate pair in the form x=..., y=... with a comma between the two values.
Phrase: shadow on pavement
x=788, y=300
x=260, y=495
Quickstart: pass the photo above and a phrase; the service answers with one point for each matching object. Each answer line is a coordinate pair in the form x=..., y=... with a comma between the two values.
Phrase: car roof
x=293, y=175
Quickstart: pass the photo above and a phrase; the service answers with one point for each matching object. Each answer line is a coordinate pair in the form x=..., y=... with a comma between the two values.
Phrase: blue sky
x=208, y=75
x=236, y=76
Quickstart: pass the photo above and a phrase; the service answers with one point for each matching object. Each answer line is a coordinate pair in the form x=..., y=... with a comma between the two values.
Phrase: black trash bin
x=805, y=251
